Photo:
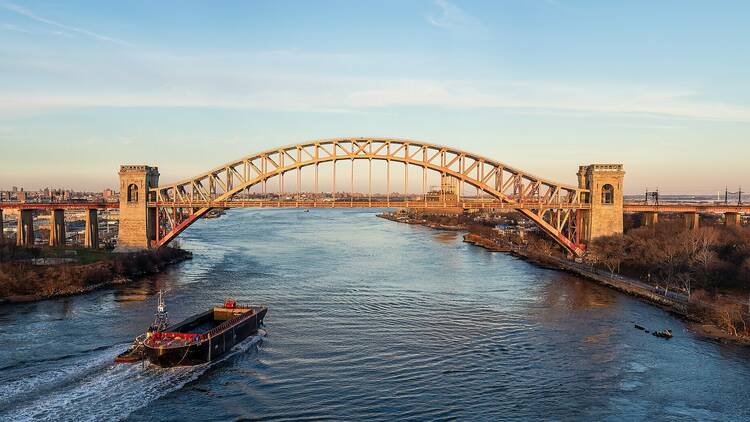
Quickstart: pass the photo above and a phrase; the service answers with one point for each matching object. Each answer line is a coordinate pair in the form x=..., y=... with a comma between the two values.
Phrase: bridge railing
x=359, y=203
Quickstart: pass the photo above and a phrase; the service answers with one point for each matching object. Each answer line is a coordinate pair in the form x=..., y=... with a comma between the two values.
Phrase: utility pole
x=654, y=196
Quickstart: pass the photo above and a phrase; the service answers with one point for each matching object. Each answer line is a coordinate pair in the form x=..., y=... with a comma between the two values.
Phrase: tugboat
x=198, y=339
x=136, y=352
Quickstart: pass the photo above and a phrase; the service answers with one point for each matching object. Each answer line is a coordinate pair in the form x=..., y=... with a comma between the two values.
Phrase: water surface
x=368, y=319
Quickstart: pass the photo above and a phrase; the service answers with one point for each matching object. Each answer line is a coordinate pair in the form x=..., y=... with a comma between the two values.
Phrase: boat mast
x=161, y=317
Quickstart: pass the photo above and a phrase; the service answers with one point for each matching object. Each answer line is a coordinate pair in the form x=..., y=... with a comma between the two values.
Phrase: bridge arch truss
x=554, y=207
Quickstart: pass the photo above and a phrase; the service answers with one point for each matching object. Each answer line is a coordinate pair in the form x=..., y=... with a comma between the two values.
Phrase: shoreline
x=702, y=328
x=115, y=280
x=640, y=291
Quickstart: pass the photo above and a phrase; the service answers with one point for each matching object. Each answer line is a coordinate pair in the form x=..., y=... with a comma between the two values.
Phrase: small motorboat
x=198, y=339
x=663, y=334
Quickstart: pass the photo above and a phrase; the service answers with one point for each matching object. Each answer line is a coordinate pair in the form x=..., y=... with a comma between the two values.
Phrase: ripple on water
x=97, y=389
x=370, y=320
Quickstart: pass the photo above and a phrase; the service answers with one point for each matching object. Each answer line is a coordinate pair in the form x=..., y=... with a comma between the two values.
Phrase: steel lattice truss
x=554, y=207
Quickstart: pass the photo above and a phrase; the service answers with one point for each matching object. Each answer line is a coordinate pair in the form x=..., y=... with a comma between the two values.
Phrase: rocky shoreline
x=422, y=222
x=32, y=284
x=489, y=244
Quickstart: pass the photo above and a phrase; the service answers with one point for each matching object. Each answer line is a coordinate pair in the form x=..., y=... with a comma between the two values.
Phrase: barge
x=198, y=339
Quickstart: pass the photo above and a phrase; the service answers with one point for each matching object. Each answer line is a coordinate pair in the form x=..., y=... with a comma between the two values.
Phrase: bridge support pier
x=605, y=183
x=91, y=237
x=692, y=220
x=25, y=232
x=732, y=219
x=650, y=218
x=137, y=222
x=57, y=227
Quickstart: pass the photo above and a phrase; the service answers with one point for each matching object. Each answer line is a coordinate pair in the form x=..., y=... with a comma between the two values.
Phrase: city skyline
x=189, y=86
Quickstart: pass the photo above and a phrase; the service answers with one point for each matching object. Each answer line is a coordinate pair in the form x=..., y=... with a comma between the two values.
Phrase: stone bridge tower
x=604, y=181
x=137, y=220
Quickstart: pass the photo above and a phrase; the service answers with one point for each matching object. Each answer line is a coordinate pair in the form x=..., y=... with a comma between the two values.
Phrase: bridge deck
x=343, y=203
x=666, y=208
x=359, y=203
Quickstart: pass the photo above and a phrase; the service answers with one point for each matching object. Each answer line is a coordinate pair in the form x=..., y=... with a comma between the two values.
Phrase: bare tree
x=704, y=259
x=695, y=241
x=684, y=280
x=726, y=315
x=670, y=254
x=610, y=251
x=541, y=247
x=546, y=248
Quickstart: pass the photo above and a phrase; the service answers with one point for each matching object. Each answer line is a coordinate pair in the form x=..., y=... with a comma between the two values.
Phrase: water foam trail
x=113, y=392
x=64, y=373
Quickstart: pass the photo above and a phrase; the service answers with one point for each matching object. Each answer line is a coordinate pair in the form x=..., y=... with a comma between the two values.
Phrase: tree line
x=709, y=258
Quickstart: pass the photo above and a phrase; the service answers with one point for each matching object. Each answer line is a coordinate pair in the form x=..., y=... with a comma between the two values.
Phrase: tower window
x=608, y=194
x=132, y=192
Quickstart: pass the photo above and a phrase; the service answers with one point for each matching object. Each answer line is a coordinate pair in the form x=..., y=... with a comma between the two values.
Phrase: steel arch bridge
x=554, y=207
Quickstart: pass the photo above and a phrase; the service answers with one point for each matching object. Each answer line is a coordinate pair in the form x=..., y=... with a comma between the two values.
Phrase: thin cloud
x=347, y=95
x=33, y=16
x=452, y=17
x=282, y=81
x=14, y=28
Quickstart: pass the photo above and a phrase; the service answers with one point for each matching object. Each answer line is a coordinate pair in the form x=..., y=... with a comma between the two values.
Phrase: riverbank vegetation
x=28, y=274
x=710, y=258
x=710, y=266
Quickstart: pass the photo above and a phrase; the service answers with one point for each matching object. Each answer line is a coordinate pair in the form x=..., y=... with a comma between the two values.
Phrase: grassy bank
x=23, y=280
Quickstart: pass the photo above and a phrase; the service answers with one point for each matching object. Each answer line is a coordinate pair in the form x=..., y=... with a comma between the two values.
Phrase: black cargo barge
x=203, y=337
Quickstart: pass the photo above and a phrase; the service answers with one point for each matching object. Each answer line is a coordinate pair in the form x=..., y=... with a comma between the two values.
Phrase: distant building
x=446, y=193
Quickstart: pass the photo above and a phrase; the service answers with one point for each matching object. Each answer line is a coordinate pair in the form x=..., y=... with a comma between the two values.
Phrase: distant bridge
x=25, y=226
x=686, y=208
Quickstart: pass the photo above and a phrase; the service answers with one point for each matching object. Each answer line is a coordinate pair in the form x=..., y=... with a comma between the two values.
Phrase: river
x=368, y=319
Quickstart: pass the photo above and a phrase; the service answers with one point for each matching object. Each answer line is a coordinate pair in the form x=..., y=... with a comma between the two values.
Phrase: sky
x=542, y=85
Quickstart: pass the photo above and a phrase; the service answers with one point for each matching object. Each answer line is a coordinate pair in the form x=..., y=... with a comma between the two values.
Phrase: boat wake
x=96, y=389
